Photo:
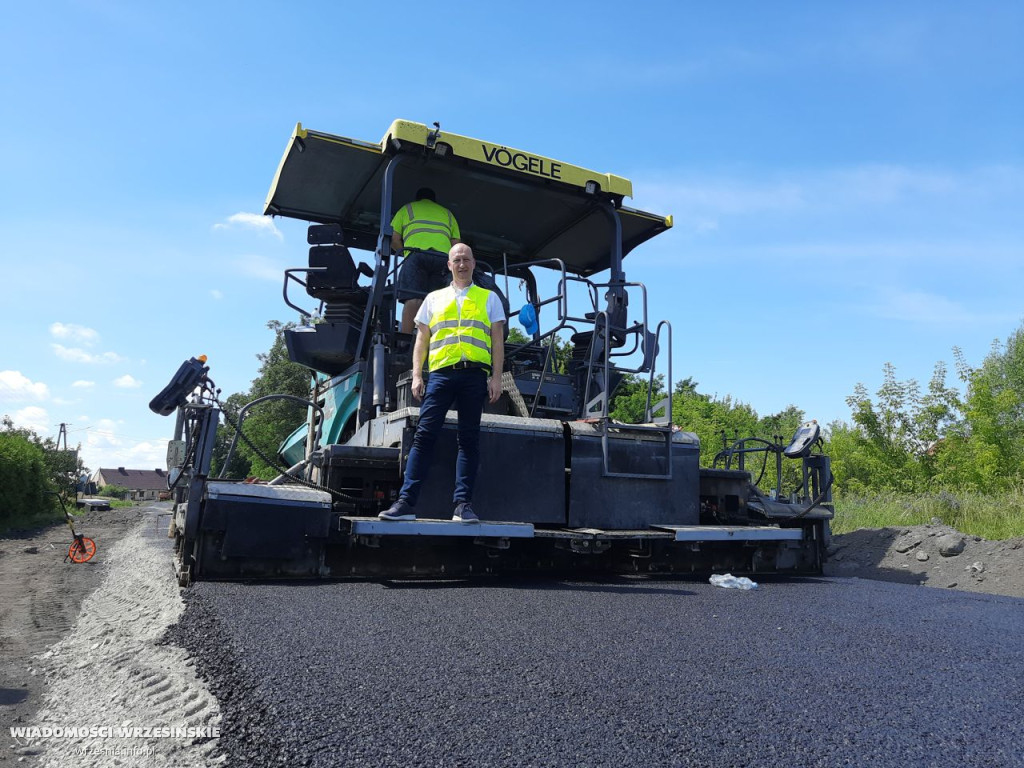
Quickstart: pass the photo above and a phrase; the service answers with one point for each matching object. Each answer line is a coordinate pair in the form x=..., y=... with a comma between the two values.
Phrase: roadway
x=802, y=672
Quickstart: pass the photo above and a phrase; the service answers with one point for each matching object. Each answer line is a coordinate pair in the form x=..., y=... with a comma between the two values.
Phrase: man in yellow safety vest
x=460, y=335
x=431, y=230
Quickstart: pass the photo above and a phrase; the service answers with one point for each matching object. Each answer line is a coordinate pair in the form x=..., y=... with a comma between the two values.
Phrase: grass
x=9, y=524
x=991, y=516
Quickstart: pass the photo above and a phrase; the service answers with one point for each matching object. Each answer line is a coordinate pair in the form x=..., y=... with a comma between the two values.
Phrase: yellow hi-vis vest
x=461, y=335
x=426, y=225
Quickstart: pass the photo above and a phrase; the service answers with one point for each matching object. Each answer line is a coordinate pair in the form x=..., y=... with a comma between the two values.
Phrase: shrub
x=113, y=491
x=24, y=481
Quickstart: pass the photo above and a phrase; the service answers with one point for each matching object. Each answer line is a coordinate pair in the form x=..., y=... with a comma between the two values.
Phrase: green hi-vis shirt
x=426, y=225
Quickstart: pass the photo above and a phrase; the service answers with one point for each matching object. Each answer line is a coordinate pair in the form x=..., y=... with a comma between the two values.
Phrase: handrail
x=247, y=406
x=289, y=275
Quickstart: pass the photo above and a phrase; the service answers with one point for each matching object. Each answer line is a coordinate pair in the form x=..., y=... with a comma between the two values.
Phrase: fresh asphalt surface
x=802, y=672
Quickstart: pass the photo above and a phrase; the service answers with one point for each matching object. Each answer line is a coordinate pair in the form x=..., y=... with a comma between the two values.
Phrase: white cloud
x=74, y=332
x=263, y=224
x=849, y=192
x=706, y=199
x=104, y=432
x=930, y=309
x=216, y=294
x=15, y=386
x=102, y=445
x=884, y=184
x=83, y=384
x=73, y=355
x=33, y=417
x=149, y=454
x=105, y=447
x=127, y=382
x=261, y=268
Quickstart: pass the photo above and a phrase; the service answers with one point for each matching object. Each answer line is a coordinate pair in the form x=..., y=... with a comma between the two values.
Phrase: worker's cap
x=528, y=319
x=425, y=193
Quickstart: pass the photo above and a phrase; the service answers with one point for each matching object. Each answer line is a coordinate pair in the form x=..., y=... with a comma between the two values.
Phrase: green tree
x=629, y=401
x=113, y=492
x=241, y=466
x=716, y=421
x=986, y=451
x=269, y=423
x=852, y=464
x=560, y=355
x=31, y=471
x=888, y=433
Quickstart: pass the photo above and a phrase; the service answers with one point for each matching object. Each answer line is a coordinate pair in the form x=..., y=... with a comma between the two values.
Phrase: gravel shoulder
x=41, y=597
x=82, y=647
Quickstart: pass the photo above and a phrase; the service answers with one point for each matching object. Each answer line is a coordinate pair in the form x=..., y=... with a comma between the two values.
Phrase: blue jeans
x=467, y=390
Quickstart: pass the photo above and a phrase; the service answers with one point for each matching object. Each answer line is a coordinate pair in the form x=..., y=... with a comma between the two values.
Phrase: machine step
x=733, y=533
x=371, y=526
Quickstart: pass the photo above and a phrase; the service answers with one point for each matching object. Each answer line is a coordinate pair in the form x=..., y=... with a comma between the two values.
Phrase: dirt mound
x=934, y=555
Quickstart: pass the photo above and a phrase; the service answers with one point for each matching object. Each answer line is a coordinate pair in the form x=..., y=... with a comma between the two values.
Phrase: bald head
x=461, y=263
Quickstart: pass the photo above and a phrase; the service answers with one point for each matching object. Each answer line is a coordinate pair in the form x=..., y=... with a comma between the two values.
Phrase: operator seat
x=336, y=280
x=331, y=346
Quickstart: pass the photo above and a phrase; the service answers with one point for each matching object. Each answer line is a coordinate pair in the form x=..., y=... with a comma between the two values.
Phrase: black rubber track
x=809, y=672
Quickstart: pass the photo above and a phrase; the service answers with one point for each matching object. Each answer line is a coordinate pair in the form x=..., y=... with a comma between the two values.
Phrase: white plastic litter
x=728, y=581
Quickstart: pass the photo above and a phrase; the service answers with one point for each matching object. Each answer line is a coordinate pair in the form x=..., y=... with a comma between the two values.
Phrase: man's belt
x=463, y=365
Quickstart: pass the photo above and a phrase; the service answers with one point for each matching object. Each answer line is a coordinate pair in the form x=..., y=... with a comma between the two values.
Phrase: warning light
x=201, y=358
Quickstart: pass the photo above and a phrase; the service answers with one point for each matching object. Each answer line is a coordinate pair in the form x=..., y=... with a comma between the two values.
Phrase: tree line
x=942, y=439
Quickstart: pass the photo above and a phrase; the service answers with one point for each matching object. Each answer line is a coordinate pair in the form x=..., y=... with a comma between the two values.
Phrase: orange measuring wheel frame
x=81, y=550
x=82, y=547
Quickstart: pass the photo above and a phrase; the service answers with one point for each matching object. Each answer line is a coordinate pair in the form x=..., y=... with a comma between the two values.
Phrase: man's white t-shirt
x=438, y=300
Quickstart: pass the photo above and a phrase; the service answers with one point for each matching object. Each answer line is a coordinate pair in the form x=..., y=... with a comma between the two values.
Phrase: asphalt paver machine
x=561, y=486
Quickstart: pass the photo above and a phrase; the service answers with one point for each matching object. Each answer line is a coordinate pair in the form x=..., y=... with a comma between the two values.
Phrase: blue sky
x=847, y=179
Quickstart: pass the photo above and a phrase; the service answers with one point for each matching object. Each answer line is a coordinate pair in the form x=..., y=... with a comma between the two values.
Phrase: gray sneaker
x=464, y=513
x=400, y=510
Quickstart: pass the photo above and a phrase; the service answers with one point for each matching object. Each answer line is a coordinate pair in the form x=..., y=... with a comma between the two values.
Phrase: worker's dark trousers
x=467, y=391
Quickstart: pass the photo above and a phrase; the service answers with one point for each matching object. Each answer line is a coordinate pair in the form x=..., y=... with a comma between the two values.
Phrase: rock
x=31, y=550
x=951, y=585
x=936, y=521
x=951, y=544
x=922, y=556
x=977, y=567
x=907, y=544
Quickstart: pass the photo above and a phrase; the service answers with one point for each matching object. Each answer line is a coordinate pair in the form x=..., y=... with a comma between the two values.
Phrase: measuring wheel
x=81, y=550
